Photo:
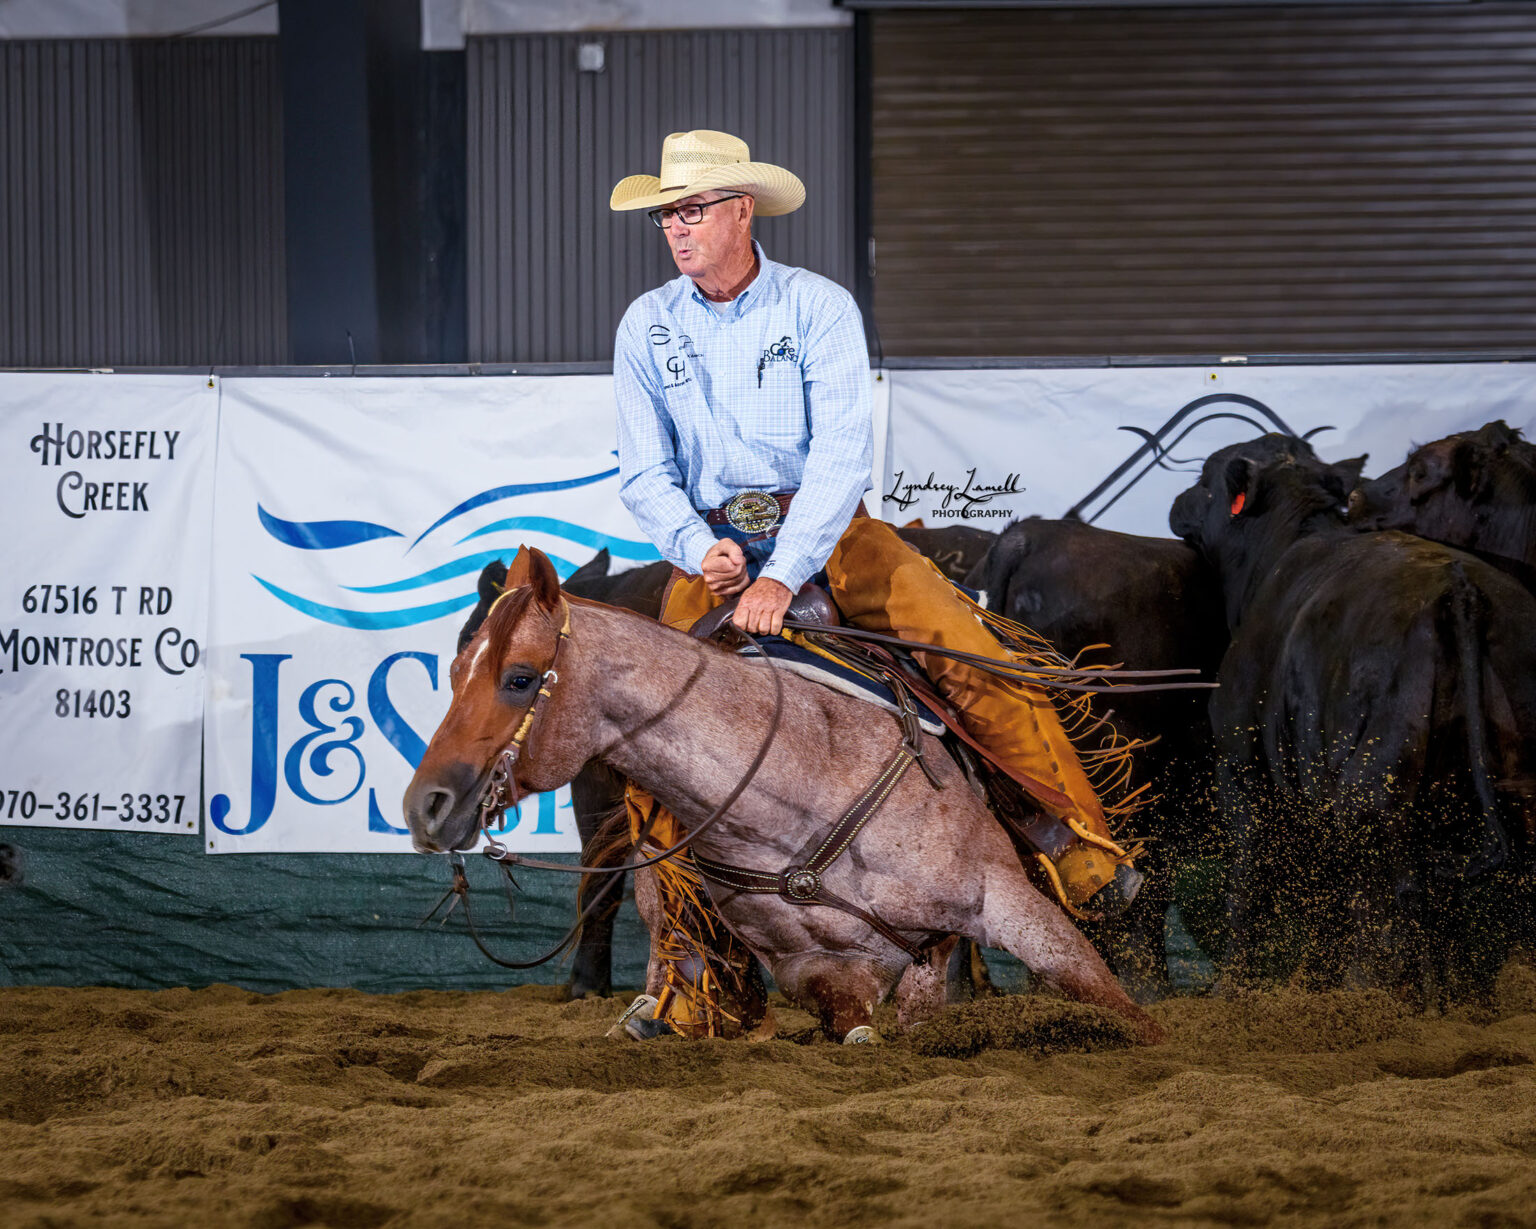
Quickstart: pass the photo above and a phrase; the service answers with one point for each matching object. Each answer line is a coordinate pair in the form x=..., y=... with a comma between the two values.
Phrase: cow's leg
x=1017, y=917
x=840, y=990
x=595, y=795
x=1134, y=943
x=1250, y=911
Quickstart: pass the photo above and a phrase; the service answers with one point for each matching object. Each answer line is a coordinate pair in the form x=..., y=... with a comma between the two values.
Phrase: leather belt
x=752, y=511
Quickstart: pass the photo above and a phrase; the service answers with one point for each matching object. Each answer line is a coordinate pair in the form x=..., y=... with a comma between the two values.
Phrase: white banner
x=352, y=519
x=982, y=448
x=103, y=598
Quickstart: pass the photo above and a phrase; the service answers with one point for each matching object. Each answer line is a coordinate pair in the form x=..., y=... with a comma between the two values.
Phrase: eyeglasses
x=690, y=215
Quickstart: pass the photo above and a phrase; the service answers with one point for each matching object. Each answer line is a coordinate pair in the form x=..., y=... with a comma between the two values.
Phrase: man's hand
x=725, y=569
x=761, y=609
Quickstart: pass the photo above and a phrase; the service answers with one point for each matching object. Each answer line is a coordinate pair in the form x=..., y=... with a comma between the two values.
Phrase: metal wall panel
x=1204, y=181
x=141, y=215
x=551, y=268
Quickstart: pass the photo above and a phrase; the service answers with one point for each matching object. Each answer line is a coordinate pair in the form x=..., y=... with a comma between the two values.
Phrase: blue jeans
x=758, y=552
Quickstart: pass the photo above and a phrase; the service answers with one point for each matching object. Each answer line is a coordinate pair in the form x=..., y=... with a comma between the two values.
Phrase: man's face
x=717, y=241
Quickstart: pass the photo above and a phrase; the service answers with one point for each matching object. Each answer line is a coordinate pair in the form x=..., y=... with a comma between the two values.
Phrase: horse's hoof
x=863, y=1035
x=644, y=1008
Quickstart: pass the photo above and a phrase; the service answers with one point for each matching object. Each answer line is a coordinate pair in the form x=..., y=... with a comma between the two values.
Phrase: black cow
x=1375, y=731
x=1156, y=605
x=956, y=549
x=1475, y=490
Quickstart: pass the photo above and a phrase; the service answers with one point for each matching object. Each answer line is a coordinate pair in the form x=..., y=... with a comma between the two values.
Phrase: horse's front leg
x=842, y=990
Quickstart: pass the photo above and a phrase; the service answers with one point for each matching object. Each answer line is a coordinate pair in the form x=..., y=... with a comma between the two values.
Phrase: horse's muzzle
x=443, y=811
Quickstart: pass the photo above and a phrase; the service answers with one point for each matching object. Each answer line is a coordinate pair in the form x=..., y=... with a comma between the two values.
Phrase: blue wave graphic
x=368, y=620
x=510, y=492
x=623, y=548
x=458, y=567
x=322, y=535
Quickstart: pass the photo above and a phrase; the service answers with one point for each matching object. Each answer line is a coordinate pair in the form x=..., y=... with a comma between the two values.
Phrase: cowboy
x=745, y=447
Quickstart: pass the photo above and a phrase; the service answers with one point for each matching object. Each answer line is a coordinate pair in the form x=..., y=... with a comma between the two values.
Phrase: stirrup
x=647, y=1028
x=644, y=1008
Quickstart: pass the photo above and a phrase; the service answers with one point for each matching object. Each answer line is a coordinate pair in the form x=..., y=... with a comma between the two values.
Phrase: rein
x=1013, y=670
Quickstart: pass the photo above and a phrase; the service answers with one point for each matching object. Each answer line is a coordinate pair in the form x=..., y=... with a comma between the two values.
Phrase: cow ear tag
x=1237, y=504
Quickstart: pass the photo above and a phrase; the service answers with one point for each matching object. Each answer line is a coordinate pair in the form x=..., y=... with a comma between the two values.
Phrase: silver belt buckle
x=753, y=512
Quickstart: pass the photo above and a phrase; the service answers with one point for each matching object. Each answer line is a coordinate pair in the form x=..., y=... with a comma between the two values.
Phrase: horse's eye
x=519, y=680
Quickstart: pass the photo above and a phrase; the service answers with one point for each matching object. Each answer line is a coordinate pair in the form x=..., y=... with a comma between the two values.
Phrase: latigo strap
x=802, y=885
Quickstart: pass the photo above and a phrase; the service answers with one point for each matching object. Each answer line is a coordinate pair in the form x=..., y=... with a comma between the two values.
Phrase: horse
x=596, y=792
x=682, y=719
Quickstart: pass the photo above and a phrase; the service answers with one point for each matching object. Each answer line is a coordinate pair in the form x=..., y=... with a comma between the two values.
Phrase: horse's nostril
x=438, y=805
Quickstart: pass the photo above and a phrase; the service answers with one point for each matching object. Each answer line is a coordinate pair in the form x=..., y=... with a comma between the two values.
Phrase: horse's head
x=496, y=679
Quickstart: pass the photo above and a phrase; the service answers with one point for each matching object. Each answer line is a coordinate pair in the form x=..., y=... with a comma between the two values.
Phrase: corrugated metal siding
x=141, y=213
x=551, y=269
x=1199, y=181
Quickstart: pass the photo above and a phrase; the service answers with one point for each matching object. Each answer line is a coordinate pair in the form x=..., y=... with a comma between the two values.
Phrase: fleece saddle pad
x=801, y=661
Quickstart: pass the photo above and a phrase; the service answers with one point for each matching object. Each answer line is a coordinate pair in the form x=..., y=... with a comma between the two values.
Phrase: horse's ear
x=532, y=567
x=545, y=581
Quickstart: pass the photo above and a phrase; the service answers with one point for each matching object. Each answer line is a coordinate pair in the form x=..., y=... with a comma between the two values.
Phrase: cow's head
x=1439, y=489
x=1256, y=498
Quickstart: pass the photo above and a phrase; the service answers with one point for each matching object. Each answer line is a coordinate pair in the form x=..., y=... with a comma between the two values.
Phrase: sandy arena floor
x=332, y=1107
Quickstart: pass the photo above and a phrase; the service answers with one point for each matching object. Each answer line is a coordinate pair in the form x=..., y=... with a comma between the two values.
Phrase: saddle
x=834, y=663
x=812, y=604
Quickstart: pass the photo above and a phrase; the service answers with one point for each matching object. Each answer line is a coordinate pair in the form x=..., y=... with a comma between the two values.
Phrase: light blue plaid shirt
x=773, y=394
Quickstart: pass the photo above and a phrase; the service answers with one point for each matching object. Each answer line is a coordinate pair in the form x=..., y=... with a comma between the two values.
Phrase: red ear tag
x=1237, y=504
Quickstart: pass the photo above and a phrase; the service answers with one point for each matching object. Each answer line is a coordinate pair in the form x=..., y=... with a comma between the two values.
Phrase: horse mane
x=505, y=614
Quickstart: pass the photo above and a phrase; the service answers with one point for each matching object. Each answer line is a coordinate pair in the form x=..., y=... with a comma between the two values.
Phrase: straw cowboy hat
x=702, y=160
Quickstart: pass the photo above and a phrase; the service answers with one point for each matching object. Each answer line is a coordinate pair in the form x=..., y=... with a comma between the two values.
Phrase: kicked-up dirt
x=338, y=1108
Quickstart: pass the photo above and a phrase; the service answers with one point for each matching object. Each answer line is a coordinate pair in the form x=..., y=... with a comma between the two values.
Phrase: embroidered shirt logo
x=782, y=351
x=677, y=367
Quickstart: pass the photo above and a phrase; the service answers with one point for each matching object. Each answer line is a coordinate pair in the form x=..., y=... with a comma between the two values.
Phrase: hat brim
x=775, y=190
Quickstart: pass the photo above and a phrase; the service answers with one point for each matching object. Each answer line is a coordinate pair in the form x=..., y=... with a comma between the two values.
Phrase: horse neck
x=649, y=692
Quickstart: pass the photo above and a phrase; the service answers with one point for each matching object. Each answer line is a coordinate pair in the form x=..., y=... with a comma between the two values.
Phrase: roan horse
x=683, y=719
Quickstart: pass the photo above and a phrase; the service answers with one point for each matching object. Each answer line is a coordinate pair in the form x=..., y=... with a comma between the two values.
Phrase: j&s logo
x=323, y=766
x=312, y=730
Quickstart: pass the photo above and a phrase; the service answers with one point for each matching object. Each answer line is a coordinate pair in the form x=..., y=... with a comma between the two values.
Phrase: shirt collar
x=764, y=288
